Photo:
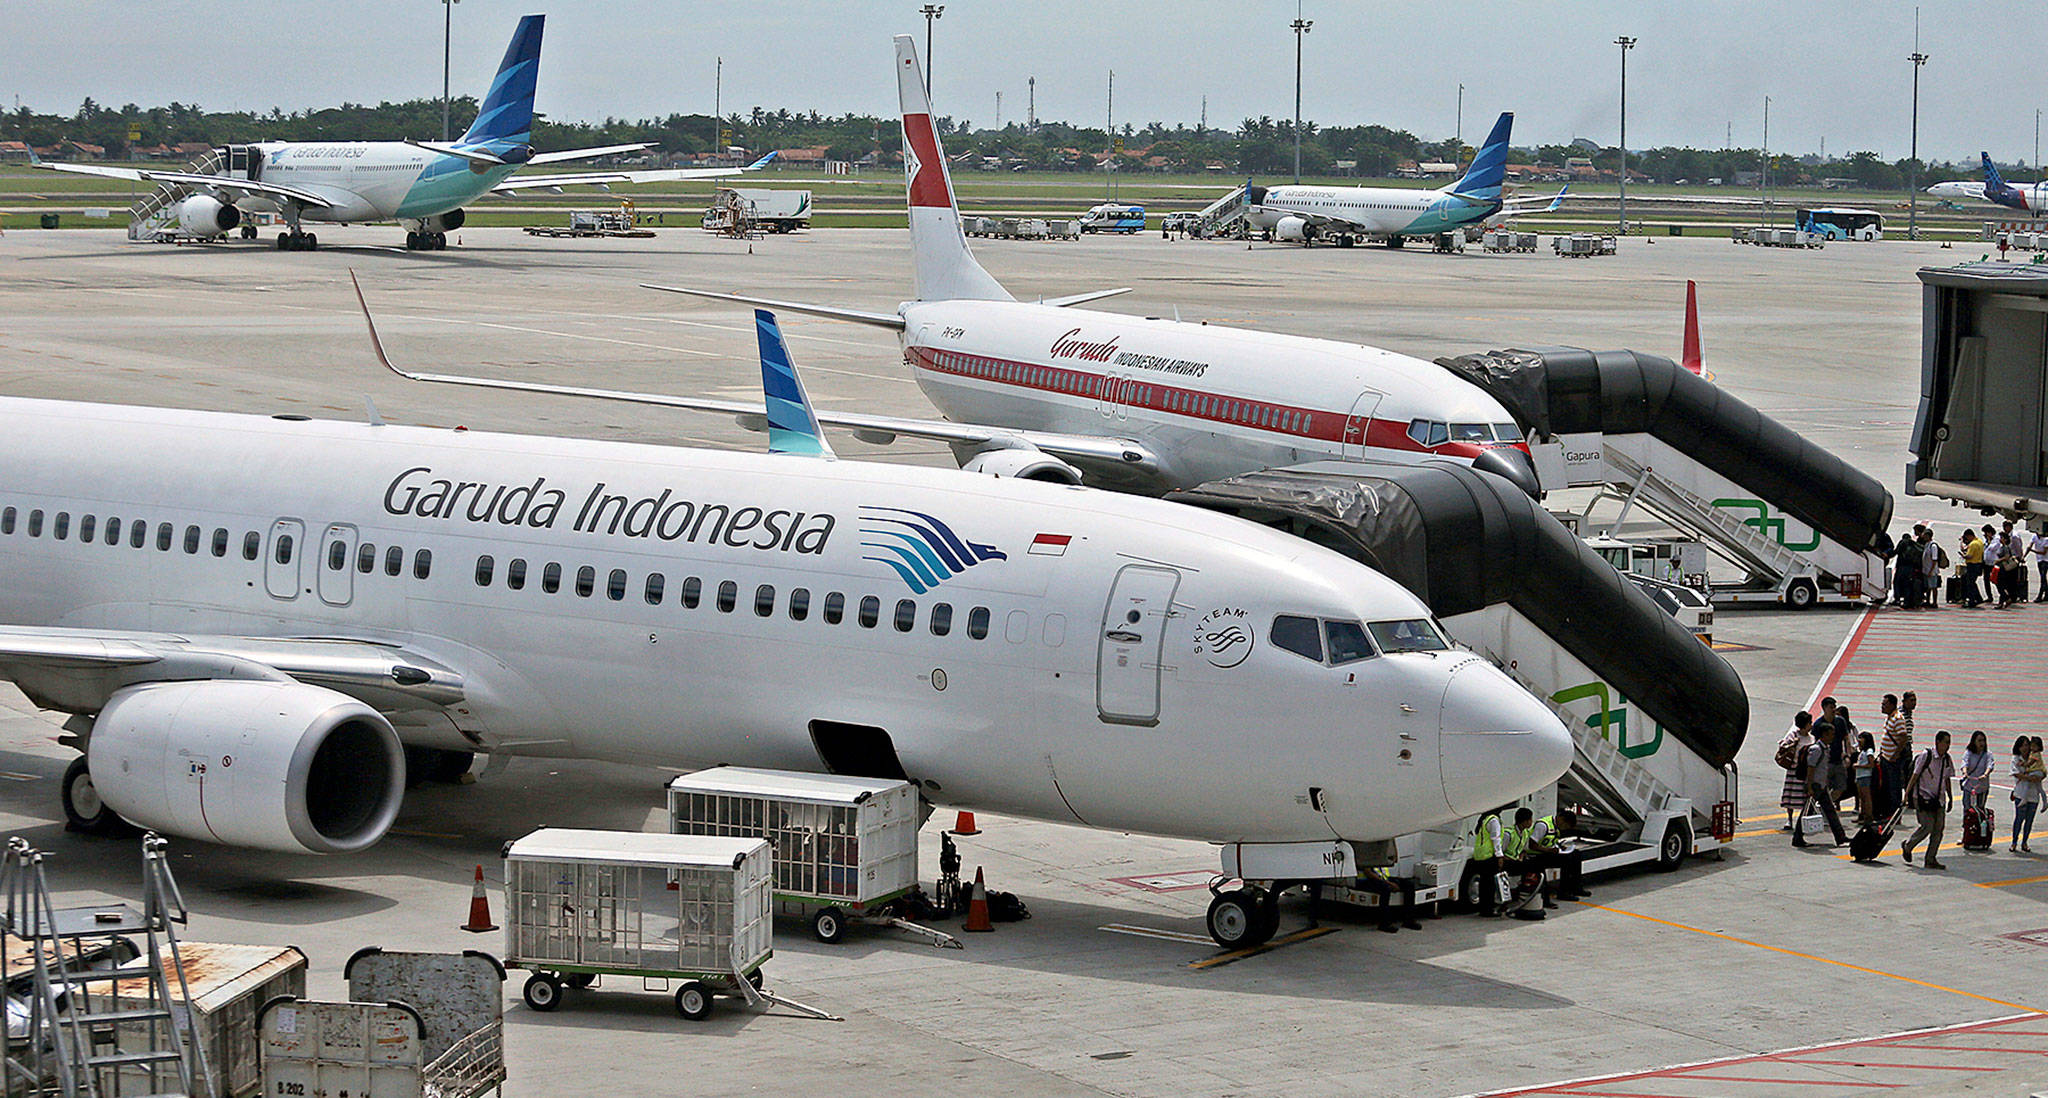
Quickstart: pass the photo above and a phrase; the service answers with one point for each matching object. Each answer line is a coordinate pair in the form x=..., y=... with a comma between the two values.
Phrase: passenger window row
x=1250, y=413
x=765, y=600
x=136, y=533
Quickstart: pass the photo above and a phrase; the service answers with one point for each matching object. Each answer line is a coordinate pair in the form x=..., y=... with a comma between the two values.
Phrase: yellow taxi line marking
x=1754, y=834
x=1898, y=850
x=1806, y=956
x=1240, y=954
x=2014, y=881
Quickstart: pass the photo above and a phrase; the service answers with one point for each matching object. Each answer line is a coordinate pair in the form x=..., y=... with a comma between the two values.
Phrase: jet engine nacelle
x=1291, y=228
x=1023, y=464
x=269, y=765
x=205, y=215
x=444, y=223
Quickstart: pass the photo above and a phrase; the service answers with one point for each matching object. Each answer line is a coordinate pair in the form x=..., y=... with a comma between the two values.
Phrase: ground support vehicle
x=845, y=847
x=582, y=223
x=687, y=909
x=1110, y=217
x=1508, y=240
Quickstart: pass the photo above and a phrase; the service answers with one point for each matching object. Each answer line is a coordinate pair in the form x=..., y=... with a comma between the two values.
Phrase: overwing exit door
x=281, y=557
x=337, y=565
x=1133, y=637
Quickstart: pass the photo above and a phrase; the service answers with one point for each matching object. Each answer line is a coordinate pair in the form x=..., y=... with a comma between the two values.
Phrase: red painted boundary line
x=1840, y=662
x=1593, y=1083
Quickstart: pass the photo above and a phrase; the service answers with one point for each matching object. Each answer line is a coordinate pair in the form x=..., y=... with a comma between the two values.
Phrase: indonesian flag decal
x=1050, y=545
x=921, y=159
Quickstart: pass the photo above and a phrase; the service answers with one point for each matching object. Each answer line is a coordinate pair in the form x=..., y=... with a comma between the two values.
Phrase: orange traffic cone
x=479, y=908
x=977, y=907
x=963, y=824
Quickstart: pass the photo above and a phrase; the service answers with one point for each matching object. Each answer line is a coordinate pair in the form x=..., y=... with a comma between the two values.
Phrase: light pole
x=1626, y=43
x=930, y=12
x=447, y=36
x=1461, y=119
x=1301, y=27
x=1913, y=158
x=2037, y=141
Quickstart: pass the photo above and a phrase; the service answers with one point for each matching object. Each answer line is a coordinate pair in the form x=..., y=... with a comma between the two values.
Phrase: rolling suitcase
x=1954, y=592
x=1871, y=839
x=1977, y=825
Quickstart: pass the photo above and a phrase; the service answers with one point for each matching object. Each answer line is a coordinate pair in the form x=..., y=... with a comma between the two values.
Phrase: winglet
x=376, y=344
x=1557, y=203
x=763, y=162
x=792, y=425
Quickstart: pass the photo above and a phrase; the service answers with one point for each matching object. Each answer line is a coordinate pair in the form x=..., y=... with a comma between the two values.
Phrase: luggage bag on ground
x=1872, y=838
x=1954, y=592
x=1977, y=825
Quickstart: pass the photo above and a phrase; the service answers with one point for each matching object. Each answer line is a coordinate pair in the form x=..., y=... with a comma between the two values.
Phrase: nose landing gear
x=1244, y=917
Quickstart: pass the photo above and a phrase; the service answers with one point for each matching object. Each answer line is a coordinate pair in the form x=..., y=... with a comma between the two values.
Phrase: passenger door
x=1133, y=636
x=281, y=558
x=337, y=565
x=1358, y=423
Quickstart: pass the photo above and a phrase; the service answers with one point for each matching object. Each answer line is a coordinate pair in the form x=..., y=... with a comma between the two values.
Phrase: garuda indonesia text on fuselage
x=423, y=185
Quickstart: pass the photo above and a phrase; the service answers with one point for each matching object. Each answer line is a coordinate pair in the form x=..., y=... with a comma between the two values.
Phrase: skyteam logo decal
x=923, y=550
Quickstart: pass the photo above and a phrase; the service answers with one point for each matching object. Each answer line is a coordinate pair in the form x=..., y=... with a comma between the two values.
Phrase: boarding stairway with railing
x=103, y=1007
x=1801, y=524
x=1221, y=217
x=155, y=213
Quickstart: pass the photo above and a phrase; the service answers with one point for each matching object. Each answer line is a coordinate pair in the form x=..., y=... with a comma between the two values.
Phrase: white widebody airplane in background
x=1044, y=391
x=423, y=185
x=1308, y=212
x=254, y=620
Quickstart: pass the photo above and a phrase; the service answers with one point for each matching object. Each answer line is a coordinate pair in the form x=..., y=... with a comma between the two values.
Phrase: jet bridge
x=1797, y=521
x=1981, y=435
x=1656, y=716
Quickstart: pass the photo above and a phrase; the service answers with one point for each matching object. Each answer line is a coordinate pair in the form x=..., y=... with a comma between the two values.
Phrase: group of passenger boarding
x=1990, y=566
x=1828, y=762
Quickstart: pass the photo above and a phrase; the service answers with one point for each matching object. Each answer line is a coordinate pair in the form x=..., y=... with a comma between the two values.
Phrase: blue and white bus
x=1111, y=218
x=1843, y=223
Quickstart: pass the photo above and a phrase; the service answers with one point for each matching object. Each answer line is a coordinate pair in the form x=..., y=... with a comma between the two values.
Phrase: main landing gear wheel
x=296, y=241
x=829, y=925
x=693, y=1001
x=1243, y=918
x=543, y=992
x=84, y=811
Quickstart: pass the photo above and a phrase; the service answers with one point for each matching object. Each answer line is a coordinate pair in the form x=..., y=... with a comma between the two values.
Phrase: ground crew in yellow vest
x=1529, y=846
x=1488, y=844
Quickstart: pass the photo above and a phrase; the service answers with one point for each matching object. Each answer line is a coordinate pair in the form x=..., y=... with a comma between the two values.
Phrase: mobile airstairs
x=1656, y=717
x=1223, y=217
x=97, y=1005
x=1798, y=523
x=155, y=216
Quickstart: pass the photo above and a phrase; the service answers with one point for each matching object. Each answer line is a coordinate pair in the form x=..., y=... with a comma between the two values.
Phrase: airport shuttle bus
x=1842, y=223
x=249, y=615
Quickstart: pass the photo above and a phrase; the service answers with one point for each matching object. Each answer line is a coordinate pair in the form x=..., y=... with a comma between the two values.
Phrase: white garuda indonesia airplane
x=423, y=185
x=251, y=619
x=1047, y=392
x=2025, y=197
x=1306, y=213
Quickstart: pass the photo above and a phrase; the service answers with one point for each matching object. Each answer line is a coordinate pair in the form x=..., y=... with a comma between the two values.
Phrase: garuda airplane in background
x=1044, y=391
x=2030, y=198
x=1306, y=213
x=423, y=185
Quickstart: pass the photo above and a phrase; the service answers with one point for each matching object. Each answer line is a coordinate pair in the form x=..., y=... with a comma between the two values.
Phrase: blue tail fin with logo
x=1992, y=181
x=1489, y=167
x=506, y=116
x=792, y=426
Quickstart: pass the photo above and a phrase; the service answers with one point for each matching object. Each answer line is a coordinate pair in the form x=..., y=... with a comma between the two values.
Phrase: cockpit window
x=1413, y=635
x=1347, y=642
x=1507, y=432
x=1471, y=432
x=1438, y=435
x=1298, y=635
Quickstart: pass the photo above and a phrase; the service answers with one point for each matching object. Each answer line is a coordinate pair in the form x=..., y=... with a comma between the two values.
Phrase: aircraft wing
x=586, y=154
x=648, y=175
x=1127, y=458
x=1316, y=217
x=93, y=663
x=1513, y=207
x=226, y=183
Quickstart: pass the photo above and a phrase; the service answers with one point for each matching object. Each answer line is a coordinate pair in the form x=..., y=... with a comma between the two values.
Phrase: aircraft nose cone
x=1512, y=464
x=1498, y=742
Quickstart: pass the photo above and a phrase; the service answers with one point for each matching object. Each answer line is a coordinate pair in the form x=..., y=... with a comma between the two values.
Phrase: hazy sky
x=1836, y=72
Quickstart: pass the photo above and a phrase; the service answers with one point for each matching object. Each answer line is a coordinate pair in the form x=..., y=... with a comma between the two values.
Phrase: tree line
x=1257, y=146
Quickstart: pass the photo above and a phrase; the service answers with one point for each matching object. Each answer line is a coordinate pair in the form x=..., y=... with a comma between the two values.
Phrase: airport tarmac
x=1693, y=983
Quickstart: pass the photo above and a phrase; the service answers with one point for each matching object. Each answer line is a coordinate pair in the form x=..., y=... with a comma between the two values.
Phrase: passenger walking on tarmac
x=1894, y=753
x=1866, y=779
x=2039, y=547
x=1931, y=788
x=1488, y=845
x=2027, y=774
x=1791, y=756
x=2011, y=567
x=1817, y=789
x=1933, y=559
x=1842, y=770
x=1976, y=781
x=1907, y=571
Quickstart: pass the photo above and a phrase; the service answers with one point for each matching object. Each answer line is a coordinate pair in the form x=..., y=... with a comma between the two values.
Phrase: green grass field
x=876, y=201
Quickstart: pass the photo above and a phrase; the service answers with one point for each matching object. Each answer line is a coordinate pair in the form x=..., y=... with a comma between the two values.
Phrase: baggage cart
x=688, y=909
x=460, y=1004
x=845, y=847
x=228, y=984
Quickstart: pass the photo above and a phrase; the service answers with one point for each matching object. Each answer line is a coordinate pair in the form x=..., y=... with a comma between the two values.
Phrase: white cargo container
x=843, y=846
x=774, y=211
x=584, y=904
x=228, y=985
